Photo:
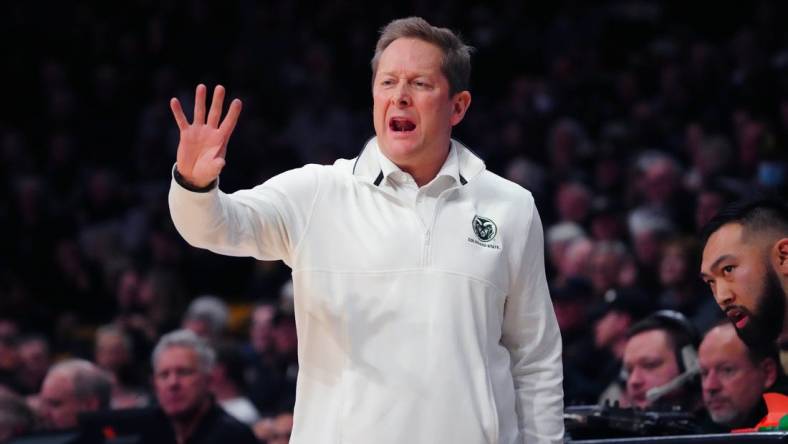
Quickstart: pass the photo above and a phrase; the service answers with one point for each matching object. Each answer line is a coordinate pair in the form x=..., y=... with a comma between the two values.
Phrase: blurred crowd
x=632, y=123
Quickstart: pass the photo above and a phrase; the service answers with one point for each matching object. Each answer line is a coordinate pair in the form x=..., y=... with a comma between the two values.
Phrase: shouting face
x=413, y=110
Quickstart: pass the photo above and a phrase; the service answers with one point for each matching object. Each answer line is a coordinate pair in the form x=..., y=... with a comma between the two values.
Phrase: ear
x=769, y=368
x=460, y=103
x=780, y=256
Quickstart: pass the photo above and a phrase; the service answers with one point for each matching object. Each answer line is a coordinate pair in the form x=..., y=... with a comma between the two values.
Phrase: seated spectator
x=660, y=363
x=114, y=353
x=275, y=430
x=593, y=362
x=228, y=384
x=207, y=316
x=72, y=387
x=34, y=361
x=188, y=413
x=16, y=418
x=682, y=290
x=734, y=378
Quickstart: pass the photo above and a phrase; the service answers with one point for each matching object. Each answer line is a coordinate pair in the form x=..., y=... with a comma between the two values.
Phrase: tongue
x=403, y=125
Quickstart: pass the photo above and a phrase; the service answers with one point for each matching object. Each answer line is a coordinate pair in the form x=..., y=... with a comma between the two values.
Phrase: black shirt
x=215, y=427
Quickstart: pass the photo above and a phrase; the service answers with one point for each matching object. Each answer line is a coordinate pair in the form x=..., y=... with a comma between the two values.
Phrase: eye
x=727, y=371
x=727, y=269
x=387, y=82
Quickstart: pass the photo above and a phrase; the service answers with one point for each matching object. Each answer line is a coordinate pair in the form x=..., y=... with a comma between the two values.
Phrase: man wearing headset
x=660, y=363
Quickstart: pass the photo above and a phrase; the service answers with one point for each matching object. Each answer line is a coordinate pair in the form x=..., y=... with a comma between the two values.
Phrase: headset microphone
x=690, y=358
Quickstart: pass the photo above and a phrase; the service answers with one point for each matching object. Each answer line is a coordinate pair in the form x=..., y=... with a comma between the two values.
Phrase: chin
x=399, y=150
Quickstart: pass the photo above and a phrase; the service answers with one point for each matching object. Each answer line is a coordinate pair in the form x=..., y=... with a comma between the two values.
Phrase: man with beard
x=188, y=413
x=745, y=262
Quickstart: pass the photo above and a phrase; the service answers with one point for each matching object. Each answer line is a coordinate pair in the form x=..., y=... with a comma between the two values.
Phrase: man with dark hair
x=745, y=262
x=420, y=294
x=660, y=363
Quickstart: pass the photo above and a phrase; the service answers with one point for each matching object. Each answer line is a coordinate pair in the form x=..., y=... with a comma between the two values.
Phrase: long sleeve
x=266, y=222
x=531, y=334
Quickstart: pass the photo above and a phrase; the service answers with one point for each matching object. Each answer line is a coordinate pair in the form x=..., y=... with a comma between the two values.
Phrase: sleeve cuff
x=180, y=180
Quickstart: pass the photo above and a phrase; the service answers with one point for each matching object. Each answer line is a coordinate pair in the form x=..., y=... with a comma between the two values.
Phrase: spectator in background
x=576, y=261
x=228, y=384
x=609, y=262
x=660, y=363
x=682, y=290
x=606, y=219
x=9, y=363
x=182, y=365
x=34, y=361
x=593, y=361
x=734, y=377
x=648, y=229
x=261, y=329
x=708, y=202
x=283, y=426
x=207, y=316
x=275, y=429
x=113, y=352
x=558, y=239
x=266, y=373
x=573, y=202
x=72, y=387
x=16, y=418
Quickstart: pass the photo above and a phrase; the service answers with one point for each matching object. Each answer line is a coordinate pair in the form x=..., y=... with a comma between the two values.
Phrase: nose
x=710, y=382
x=171, y=380
x=635, y=380
x=401, y=96
x=723, y=294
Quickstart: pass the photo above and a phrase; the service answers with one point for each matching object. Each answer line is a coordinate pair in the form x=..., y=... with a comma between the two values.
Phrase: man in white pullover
x=420, y=297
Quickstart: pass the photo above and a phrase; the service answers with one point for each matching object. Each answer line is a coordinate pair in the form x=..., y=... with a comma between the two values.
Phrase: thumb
x=217, y=165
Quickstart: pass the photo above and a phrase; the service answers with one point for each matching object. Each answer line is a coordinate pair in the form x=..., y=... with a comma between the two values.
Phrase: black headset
x=686, y=353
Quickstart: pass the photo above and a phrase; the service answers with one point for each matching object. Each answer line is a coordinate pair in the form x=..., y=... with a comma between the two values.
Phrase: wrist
x=185, y=183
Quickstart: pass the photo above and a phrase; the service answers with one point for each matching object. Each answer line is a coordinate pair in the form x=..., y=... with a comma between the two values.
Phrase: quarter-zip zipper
x=426, y=250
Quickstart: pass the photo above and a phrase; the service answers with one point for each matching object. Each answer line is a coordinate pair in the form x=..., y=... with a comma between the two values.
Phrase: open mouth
x=401, y=124
x=737, y=316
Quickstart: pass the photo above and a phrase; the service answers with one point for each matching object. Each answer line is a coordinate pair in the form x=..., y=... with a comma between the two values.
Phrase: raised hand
x=203, y=143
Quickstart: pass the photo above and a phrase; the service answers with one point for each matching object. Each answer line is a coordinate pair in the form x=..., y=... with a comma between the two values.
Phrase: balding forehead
x=721, y=333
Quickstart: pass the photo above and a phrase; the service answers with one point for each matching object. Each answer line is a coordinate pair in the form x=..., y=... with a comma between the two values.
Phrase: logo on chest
x=485, y=231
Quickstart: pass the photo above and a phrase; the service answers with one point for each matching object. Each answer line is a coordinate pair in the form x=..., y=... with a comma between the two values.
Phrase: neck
x=185, y=426
x=225, y=391
x=426, y=170
x=423, y=176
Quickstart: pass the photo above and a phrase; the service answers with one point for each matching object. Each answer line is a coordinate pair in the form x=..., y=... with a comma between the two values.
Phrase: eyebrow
x=716, y=264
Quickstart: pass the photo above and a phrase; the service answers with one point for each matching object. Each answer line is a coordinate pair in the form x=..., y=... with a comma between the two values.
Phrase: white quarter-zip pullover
x=416, y=324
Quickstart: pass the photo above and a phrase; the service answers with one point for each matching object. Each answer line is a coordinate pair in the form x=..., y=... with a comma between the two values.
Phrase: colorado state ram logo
x=484, y=228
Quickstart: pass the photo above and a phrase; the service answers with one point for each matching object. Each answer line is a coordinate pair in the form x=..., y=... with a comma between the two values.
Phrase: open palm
x=203, y=143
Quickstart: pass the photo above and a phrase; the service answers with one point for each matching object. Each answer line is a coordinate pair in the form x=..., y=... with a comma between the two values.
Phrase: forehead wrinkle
x=411, y=52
